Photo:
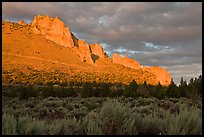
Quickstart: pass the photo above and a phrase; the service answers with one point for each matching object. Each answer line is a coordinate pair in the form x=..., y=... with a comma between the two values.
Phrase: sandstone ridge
x=54, y=29
x=125, y=61
x=63, y=46
x=161, y=73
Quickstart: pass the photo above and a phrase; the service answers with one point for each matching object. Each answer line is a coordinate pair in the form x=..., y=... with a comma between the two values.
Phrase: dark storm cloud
x=164, y=34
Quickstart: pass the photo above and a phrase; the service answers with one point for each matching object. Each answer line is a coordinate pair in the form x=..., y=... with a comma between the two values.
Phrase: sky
x=166, y=34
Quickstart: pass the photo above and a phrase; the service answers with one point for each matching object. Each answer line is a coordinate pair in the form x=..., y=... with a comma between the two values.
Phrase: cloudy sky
x=161, y=34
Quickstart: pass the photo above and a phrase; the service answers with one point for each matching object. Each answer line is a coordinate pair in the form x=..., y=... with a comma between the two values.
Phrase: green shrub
x=187, y=122
x=92, y=124
x=8, y=124
x=149, y=125
x=65, y=127
x=24, y=125
x=39, y=127
x=132, y=125
x=114, y=114
x=90, y=106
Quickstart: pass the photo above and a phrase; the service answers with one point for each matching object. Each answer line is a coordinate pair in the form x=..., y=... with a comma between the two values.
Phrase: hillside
x=47, y=51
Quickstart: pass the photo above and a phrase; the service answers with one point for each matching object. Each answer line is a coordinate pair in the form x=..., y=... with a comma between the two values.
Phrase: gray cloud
x=164, y=34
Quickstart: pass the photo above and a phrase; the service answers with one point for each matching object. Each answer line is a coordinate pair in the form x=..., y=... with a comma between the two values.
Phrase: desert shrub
x=39, y=127
x=132, y=124
x=24, y=125
x=144, y=110
x=114, y=114
x=8, y=124
x=143, y=101
x=54, y=128
x=187, y=122
x=149, y=125
x=92, y=124
x=174, y=100
x=113, y=118
x=66, y=126
x=90, y=106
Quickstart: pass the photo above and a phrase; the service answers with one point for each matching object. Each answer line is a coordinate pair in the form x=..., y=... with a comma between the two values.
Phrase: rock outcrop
x=55, y=30
x=89, y=53
x=21, y=22
x=131, y=63
x=84, y=52
x=52, y=29
x=161, y=73
x=97, y=49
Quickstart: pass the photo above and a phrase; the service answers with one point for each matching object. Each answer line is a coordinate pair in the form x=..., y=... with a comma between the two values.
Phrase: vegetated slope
x=30, y=55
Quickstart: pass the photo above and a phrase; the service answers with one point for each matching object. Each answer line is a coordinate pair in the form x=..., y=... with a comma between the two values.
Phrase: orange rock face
x=52, y=29
x=89, y=53
x=161, y=73
x=21, y=22
x=55, y=30
x=77, y=51
x=125, y=61
x=97, y=50
x=84, y=52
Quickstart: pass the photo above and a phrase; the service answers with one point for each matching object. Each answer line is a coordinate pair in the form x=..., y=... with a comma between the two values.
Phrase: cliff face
x=84, y=52
x=97, y=50
x=161, y=73
x=52, y=29
x=55, y=30
x=125, y=61
x=21, y=22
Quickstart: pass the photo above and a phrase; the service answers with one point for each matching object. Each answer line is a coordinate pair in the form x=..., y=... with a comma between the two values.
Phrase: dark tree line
x=193, y=88
x=184, y=89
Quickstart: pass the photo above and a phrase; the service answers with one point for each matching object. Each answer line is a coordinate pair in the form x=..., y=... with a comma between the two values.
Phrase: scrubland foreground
x=101, y=116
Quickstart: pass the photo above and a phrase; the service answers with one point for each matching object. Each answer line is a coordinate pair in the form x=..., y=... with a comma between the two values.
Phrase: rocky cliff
x=21, y=22
x=52, y=29
x=67, y=48
x=131, y=63
x=55, y=30
x=161, y=74
x=84, y=52
x=97, y=49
